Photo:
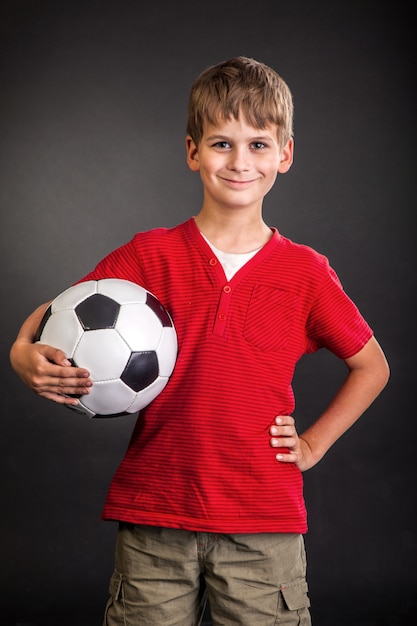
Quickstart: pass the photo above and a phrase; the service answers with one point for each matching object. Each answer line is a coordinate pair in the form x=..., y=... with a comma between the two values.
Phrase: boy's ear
x=192, y=154
x=287, y=157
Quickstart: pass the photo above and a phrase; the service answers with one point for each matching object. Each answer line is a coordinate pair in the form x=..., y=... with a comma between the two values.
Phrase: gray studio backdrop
x=92, y=123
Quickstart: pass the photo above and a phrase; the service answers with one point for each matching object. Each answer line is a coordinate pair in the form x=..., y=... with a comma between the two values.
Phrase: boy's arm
x=45, y=369
x=368, y=375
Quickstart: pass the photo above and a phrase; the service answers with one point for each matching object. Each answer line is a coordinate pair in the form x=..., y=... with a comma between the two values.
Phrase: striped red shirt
x=199, y=457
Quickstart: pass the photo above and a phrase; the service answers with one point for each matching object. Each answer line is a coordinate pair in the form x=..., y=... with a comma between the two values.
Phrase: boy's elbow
x=381, y=368
x=385, y=373
x=372, y=364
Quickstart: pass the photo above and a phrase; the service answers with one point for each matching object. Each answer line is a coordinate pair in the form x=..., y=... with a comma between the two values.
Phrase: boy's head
x=240, y=86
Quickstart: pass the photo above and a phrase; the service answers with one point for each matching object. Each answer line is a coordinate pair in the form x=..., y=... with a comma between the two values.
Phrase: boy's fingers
x=66, y=389
x=78, y=375
x=58, y=358
x=291, y=457
x=283, y=442
x=61, y=399
x=282, y=420
x=283, y=431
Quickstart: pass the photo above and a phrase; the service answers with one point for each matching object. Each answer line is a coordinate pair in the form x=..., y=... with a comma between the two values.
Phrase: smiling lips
x=237, y=183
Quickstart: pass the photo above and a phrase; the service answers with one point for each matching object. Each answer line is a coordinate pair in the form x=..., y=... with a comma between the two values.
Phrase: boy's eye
x=258, y=145
x=222, y=144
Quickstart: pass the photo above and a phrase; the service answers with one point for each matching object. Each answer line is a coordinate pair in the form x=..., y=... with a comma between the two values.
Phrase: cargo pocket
x=294, y=608
x=114, y=612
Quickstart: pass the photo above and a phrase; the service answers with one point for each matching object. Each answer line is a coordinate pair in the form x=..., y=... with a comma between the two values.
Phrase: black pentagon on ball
x=159, y=310
x=141, y=370
x=97, y=312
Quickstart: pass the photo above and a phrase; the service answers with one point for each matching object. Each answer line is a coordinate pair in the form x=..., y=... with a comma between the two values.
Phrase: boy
x=211, y=484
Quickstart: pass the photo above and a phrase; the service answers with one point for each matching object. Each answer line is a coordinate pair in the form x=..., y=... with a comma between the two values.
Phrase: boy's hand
x=284, y=435
x=49, y=373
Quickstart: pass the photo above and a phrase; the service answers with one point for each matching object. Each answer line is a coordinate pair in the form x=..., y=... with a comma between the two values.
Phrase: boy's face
x=238, y=163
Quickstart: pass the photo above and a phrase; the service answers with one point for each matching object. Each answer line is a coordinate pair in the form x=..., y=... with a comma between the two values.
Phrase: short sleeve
x=334, y=321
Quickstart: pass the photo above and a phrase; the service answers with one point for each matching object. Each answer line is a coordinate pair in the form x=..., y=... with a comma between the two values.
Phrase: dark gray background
x=92, y=122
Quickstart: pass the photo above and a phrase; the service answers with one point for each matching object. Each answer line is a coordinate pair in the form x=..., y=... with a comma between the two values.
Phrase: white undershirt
x=231, y=261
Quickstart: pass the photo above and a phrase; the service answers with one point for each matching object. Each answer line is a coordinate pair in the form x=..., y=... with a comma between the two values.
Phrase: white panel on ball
x=108, y=397
x=123, y=291
x=63, y=331
x=139, y=336
x=167, y=351
x=89, y=352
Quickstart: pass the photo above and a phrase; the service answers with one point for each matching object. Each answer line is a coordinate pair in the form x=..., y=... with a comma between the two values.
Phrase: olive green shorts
x=250, y=579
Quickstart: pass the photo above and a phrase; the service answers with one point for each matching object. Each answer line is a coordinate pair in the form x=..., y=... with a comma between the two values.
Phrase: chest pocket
x=271, y=318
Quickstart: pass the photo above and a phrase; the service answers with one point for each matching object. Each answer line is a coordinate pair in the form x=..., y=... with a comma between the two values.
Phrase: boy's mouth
x=238, y=182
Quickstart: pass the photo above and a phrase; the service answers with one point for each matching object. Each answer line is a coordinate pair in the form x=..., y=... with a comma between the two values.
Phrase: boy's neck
x=237, y=234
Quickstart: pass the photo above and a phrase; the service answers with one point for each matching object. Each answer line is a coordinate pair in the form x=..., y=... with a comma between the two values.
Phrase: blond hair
x=240, y=86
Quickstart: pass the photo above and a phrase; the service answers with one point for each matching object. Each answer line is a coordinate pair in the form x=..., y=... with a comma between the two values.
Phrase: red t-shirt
x=199, y=457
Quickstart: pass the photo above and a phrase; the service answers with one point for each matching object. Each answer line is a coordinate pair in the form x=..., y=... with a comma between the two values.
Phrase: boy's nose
x=239, y=160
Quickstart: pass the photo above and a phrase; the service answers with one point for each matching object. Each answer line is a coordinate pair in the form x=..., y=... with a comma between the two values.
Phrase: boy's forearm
x=26, y=335
x=342, y=413
x=30, y=326
x=361, y=387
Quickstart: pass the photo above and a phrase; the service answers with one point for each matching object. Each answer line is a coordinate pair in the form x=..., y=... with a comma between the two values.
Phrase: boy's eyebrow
x=227, y=137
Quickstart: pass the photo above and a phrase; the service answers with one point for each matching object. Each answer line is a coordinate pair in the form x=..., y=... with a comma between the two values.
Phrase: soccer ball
x=121, y=333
